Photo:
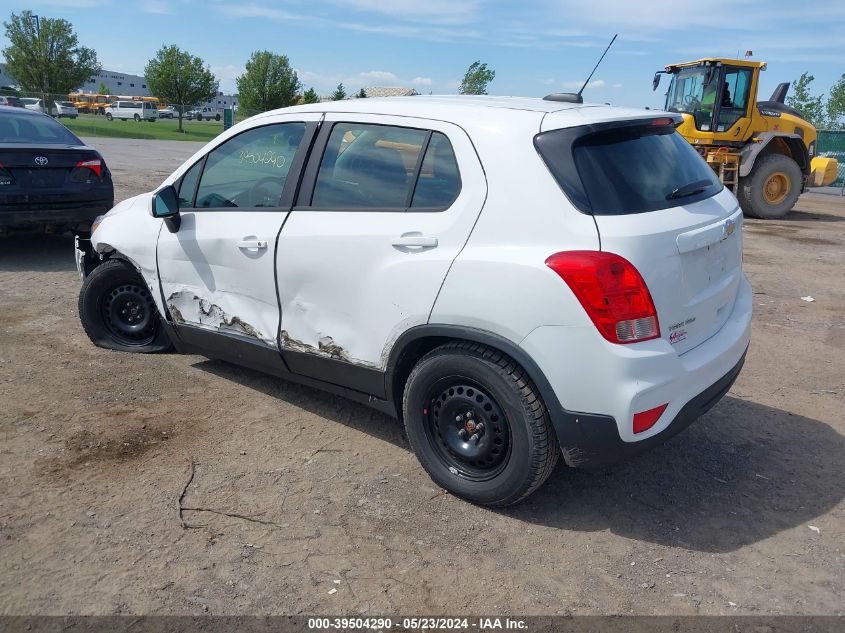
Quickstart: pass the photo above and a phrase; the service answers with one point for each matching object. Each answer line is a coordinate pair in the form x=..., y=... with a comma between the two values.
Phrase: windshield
x=687, y=90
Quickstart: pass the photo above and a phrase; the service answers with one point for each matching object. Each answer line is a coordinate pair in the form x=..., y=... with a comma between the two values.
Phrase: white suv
x=135, y=110
x=517, y=279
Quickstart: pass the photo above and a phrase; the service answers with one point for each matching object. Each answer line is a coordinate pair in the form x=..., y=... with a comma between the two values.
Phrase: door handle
x=415, y=240
x=259, y=244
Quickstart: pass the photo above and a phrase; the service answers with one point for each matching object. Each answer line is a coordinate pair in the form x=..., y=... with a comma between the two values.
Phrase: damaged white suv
x=517, y=279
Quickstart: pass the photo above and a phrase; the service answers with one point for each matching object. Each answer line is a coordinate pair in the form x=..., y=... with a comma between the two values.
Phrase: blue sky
x=536, y=47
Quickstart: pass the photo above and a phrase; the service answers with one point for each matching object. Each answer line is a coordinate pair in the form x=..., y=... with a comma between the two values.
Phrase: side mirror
x=656, y=81
x=166, y=206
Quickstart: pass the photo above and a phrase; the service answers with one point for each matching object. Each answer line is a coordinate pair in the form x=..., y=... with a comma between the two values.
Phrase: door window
x=734, y=97
x=188, y=186
x=368, y=167
x=250, y=169
x=439, y=181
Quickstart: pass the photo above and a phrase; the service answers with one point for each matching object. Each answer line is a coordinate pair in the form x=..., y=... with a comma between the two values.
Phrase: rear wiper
x=689, y=190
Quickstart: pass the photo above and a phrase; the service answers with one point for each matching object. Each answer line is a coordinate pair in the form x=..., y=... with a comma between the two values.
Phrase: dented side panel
x=348, y=286
x=212, y=283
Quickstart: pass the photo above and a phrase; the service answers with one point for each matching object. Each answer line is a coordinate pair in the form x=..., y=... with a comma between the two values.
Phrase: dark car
x=48, y=177
x=11, y=100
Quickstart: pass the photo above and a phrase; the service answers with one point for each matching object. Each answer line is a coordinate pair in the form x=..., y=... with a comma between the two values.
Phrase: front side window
x=188, y=185
x=368, y=167
x=250, y=169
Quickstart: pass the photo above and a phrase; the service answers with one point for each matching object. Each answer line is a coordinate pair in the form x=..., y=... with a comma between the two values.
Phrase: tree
x=362, y=94
x=836, y=105
x=268, y=83
x=476, y=79
x=339, y=93
x=809, y=106
x=104, y=89
x=178, y=77
x=45, y=56
x=310, y=96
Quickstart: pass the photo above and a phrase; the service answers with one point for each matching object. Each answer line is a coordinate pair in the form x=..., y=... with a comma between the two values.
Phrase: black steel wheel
x=478, y=425
x=467, y=429
x=128, y=312
x=118, y=312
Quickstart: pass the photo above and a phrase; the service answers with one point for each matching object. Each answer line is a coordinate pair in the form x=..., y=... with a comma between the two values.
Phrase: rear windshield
x=19, y=128
x=618, y=169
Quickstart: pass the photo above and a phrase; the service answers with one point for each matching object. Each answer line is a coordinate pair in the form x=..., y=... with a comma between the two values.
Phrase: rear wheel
x=137, y=118
x=478, y=425
x=216, y=117
x=772, y=188
x=118, y=312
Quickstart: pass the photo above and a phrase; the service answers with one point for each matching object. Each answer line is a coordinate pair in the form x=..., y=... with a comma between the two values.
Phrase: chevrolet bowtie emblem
x=728, y=228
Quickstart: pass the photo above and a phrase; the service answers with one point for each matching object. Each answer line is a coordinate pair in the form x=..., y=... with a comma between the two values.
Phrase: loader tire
x=771, y=189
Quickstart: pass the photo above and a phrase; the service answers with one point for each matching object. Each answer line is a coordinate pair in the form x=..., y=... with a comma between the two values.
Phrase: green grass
x=163, y=129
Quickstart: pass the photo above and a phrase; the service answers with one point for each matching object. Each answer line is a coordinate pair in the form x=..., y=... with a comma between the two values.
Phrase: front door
x=217, y=271
x=387, y=203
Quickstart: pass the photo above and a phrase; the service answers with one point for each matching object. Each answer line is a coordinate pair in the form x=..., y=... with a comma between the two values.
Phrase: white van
x=138, y=110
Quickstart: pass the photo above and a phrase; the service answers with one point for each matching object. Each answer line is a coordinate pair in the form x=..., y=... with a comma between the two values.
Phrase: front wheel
x=771, y=189
x=216, y=117
x=478, y=425
x=109, y=116
x=118, y=312
x=137, y=118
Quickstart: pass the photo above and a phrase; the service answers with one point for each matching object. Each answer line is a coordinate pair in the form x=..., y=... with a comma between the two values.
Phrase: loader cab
x=715, y=95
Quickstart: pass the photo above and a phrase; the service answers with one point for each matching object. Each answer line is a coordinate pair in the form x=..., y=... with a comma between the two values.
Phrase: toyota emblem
x=41, y=160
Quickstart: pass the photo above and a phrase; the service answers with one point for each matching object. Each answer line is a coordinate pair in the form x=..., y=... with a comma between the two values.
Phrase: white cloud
x=422, y=81
x=71, y=4
x=155, y=6
x=596, y=83
x=435, y=11
x=617, y=85
x=378, y=76
x=227, y=75
x=548, y=82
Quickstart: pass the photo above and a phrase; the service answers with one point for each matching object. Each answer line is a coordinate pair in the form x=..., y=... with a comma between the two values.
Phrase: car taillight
x=95, y=165
x=612, y=293
x=6, y=177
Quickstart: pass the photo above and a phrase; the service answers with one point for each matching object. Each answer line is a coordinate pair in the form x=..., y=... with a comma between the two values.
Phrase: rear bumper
x=21, y=216
x=592, y=441
x=610, y=383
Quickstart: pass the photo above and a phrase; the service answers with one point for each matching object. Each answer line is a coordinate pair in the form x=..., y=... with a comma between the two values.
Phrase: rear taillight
x=95, y=165
x=611, y=291
x=6, y=177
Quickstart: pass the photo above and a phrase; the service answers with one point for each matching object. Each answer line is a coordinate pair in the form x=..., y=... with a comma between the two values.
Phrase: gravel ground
x=290, y=493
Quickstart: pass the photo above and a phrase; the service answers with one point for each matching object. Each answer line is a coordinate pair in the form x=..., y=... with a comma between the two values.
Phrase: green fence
x=832, y=143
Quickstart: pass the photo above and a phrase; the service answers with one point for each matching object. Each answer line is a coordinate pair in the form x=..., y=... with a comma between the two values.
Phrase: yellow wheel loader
x=763, y=151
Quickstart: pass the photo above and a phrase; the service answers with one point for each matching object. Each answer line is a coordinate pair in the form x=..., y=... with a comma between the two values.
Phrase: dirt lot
x=295, y=492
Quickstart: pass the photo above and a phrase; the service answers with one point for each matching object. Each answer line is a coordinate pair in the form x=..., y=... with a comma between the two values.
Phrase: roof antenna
x=569, y=97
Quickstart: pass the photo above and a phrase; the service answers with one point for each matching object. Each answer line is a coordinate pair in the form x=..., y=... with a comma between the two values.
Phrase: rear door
x=217, y=271
x=660, y=206
x=365, y=251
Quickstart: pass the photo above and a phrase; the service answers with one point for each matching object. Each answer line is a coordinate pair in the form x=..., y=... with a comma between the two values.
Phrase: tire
x=771, y=189
x=498, y=464
x=216, y=117
x=118, y=312
x=199, y=117
x=109, y=117
x=137, y=118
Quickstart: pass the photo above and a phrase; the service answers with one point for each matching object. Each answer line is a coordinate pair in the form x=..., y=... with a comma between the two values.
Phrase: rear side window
x=626, y=168
x=368, y=167
x=440, y=181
